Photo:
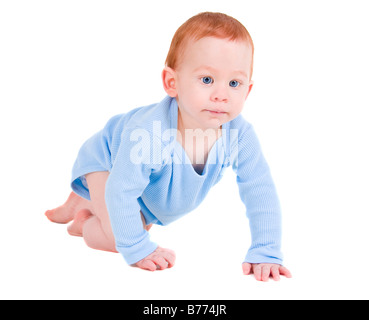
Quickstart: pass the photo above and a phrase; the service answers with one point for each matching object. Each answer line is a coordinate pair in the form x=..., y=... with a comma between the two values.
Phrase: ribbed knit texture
x=164, y=184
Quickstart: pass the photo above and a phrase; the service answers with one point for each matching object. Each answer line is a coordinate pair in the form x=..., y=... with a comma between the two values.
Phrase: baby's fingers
x=275, y=273
x=257, y=271
x=152, y=264
x=160, y=262
x=284, y=271
x=246, y=267
x=169, y=257
x=265, y=273
x=146, y=264
x=160, y=259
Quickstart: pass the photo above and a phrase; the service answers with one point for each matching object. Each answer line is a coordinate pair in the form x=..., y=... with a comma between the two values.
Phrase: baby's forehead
x=217, y=40
x=202, y=52
x=206, y=44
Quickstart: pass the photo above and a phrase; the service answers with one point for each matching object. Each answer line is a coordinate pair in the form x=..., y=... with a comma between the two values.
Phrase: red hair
x=206, y=24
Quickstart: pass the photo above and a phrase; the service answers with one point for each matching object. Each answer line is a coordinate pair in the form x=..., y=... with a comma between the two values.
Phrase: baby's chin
x=214, y=123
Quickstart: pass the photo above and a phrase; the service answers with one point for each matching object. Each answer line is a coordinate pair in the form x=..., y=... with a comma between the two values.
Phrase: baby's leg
x=90, y=218
x=96, y=229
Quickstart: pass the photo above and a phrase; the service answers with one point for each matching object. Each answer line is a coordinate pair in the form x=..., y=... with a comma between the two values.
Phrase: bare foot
x=66, y=212
x=76, y=227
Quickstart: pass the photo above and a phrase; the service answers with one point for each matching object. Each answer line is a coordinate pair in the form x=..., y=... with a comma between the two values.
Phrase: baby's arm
x=126, y=183
x=259, y=195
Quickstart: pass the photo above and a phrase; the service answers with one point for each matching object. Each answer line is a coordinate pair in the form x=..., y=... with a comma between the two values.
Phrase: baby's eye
x=207, y=80
x=234, y=83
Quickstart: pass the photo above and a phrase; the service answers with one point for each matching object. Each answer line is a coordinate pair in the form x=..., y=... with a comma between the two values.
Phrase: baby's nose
x=219, y=95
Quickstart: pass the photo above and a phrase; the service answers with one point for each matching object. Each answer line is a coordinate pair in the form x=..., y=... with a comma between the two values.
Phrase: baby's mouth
x=219, y=112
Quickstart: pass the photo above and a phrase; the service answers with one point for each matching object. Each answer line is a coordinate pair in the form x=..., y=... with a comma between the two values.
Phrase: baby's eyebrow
x=214, y=70
x=243, y=73
x=206, y=68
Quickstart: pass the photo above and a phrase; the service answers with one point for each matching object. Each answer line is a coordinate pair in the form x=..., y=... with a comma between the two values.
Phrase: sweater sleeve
x=129, y=176
x=258, y=193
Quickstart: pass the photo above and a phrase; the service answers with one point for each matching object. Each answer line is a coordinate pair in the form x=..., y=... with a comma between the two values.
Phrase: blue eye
x=234, y=84
x=207, y=80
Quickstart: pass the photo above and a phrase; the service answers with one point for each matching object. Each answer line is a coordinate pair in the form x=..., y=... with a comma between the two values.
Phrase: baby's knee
x=95, y=237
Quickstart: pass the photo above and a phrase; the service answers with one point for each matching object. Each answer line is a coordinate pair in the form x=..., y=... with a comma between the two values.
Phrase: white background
x=66, y=67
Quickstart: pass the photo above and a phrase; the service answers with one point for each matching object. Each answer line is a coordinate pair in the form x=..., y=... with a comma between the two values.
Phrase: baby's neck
x=197, y=144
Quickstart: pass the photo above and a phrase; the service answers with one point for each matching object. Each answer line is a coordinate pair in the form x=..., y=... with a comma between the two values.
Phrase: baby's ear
x=169, y=83
x=251, y=84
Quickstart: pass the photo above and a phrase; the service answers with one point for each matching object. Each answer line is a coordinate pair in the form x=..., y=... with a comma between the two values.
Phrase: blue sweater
x=150, y=172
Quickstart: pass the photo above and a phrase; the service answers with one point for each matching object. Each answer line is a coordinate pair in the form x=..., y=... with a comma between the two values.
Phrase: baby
x=156, y=163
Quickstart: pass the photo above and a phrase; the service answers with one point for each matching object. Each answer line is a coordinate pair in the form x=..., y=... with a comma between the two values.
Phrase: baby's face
x=212, y=81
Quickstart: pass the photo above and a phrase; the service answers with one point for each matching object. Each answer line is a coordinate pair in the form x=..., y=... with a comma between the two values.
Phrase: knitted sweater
x=150, y=172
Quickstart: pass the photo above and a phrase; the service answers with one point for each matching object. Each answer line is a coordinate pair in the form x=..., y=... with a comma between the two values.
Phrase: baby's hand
x=262, y=271
x=160, y=259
